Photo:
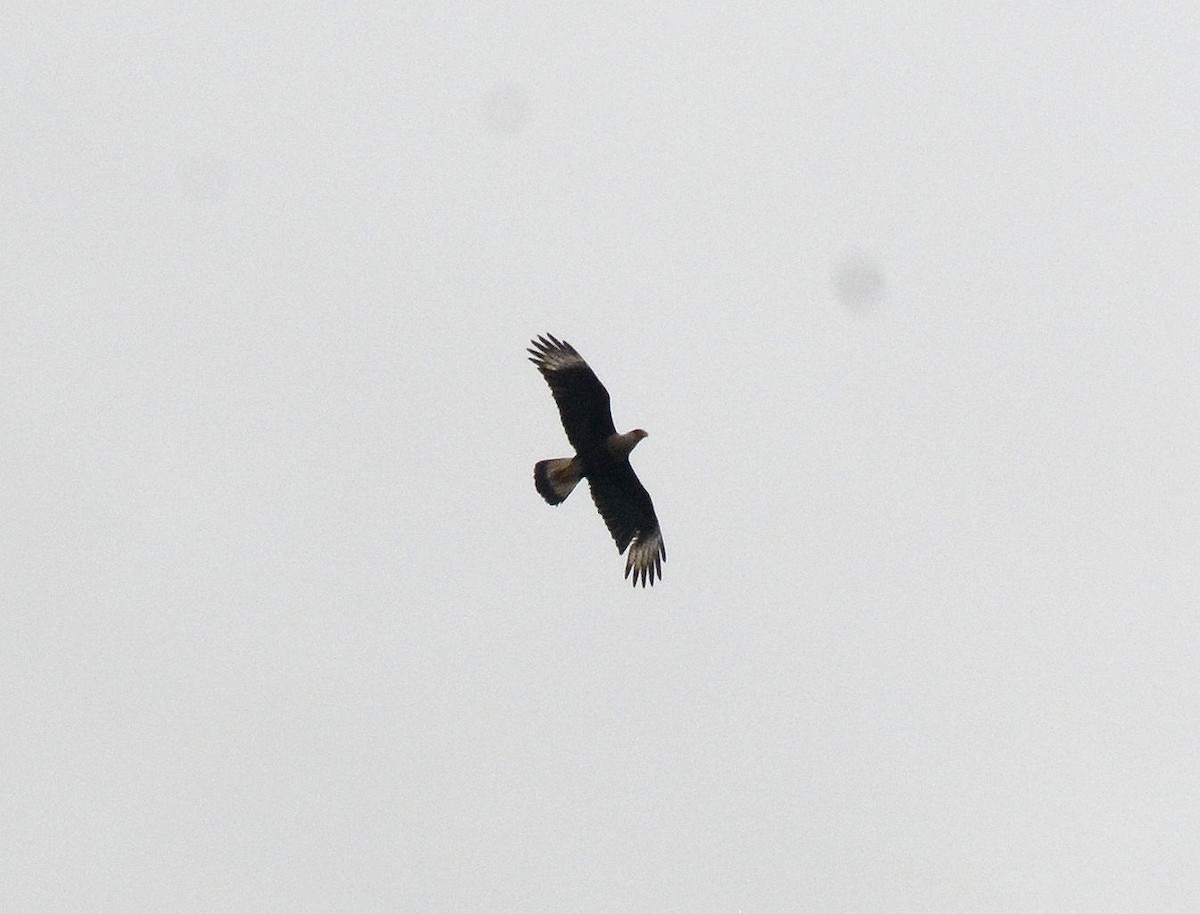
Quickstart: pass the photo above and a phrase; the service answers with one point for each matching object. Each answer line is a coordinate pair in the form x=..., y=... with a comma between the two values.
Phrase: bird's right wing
x=583, y=402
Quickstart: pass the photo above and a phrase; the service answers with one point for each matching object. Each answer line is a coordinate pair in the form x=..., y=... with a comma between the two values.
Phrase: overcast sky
x=906, y=296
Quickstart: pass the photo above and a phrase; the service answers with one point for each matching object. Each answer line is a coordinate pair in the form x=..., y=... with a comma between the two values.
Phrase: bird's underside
x=601, y=457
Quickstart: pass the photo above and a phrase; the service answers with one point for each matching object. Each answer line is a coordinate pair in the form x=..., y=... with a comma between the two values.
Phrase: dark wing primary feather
x=628, y=513
x=582, y=400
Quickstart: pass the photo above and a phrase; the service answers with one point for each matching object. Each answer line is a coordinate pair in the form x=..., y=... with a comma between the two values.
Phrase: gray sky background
x=906, y=295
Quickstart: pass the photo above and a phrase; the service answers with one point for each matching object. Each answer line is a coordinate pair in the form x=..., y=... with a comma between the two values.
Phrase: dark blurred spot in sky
x=858, y=283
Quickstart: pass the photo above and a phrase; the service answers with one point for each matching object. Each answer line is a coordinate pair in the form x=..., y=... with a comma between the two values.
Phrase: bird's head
x=620, y=445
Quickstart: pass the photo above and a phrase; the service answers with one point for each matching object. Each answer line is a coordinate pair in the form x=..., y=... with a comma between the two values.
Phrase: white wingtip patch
x=645, y=558
x=557, y=359
x=552, y=354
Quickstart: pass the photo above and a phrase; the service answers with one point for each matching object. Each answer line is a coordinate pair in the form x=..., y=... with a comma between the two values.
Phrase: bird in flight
x=601, y=457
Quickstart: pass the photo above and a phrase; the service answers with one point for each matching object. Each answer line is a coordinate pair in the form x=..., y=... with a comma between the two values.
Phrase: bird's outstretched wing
x=583, y=402
x=628, y=513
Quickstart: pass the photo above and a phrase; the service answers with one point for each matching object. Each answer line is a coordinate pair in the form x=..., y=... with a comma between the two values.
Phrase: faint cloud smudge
x=205, y=179
x=505, y=110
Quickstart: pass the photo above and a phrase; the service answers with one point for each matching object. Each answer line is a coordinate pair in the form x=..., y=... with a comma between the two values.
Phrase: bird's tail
x=556, y=479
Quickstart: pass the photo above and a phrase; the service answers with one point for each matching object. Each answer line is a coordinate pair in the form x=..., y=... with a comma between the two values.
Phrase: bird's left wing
x=628, y=513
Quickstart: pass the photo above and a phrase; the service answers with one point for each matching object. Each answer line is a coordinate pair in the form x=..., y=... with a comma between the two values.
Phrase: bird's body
x=601, y=457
